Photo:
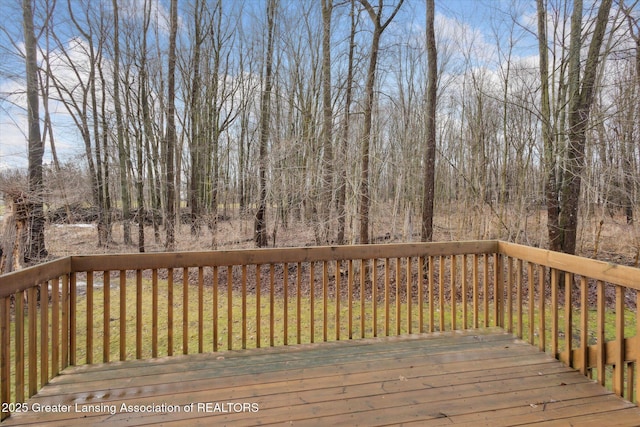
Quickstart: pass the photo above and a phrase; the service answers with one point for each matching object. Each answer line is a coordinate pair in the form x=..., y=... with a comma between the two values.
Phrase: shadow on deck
x=480, y=377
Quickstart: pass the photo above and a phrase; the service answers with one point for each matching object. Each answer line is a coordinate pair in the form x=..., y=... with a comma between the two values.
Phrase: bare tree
x=260, y=227
x=171, y=138
x=581, y=92
x=35, y=250
x=378, y=28
x=430, y=152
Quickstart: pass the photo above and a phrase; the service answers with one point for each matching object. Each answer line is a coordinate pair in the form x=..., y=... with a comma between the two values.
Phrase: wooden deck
x=479, y=377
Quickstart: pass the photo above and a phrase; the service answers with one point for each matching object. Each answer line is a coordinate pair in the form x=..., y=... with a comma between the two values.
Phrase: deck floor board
x=477, y=377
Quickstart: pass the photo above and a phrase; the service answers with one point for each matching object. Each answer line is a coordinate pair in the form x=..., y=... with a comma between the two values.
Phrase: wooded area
x=340, y=115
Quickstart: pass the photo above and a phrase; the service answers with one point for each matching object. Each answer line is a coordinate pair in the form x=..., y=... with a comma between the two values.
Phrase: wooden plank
x=599, y=270
x=618, y=367
x=568, y=318
x=338, y=298
x=325, y=300
x=154, y=313
x=584, y=326
x=55, y=327
x=185, y=310
x=200, y=309
x=600, y=338
x=73, y=318
x=123, y=315
x=397, y=297
x=451, y=378
x=32, y=314
x=542, y=342
x=170, y=312
x=142, y=261
x=44, y=333
x=138, y=314
x=21, y=280
x=89, y=318
x=19, y=346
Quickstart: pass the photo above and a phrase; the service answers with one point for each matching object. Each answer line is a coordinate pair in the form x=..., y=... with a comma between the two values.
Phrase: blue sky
x=453, y=17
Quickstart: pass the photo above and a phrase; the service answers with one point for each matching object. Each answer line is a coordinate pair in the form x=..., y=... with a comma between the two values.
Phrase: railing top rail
x=595, y=269
x=20, y=280
x=599, y=270
x=278, y=255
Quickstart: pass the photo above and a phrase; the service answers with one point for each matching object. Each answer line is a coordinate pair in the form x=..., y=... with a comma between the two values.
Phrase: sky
x=453, y=19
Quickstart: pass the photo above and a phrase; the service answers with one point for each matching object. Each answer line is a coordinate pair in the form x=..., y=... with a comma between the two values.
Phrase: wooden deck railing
x=95, y=309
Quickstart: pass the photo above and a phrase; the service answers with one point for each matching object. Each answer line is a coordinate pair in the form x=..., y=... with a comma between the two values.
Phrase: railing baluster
x=350, y=297
x=409, y=301
x=542, y=341
x=138, y=314
x=170, y=312
x=531, y=286
x=229, y=307
x=519, y=275
x=55, y=327
x=312, y=303
x=19, y=347
x=154, y=313
x=463, y=280
x=65, y=321
x=363, y=277
x=601, y=345
x=568, y=318
x=441, y=292
x=325, y=298
x=509, y=303
x=285, y=289
x=485, y=288
x=215, y=308
x=244, y=306
x=374, y=297
x=200, y=309
x=338, y=296
x=272, y=311
x=44, y=333
x=89, y=328
x=420, y=293
x=475, y=290
x=430, y=292
x=498, y=280
x=258, y=307
x=299, y=302
x=454, y=291
x=387, y=280
x=123, y=315
x=33, y=336
x=618, y=367
x=584, y=326
x=398, y=302
x=554, y=313
x=73, y=298
x=185, y=310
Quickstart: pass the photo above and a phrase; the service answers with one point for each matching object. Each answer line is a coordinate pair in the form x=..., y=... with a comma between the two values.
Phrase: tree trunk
x=342, y=186
x=170, y=243
x=581, y=93
x=327, y=124
x=430, y=152
x=379, y=27
x=260, y=226
x=551, y=192
x=35, y=249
